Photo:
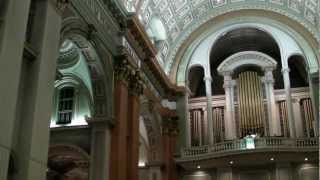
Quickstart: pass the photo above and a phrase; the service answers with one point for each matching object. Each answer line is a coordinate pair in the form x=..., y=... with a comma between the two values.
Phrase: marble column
x=297, y=117
x=13, y=26
x=118, y=153
x=287, y=88
x=135, y=90
x=35, y=97
x=274, y=123
x=229, y=120
x=208, y=81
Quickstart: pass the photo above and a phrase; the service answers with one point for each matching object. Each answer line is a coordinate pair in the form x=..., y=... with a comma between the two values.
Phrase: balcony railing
x=268, y=143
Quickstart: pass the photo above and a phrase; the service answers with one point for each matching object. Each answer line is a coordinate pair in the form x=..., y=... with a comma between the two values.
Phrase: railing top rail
x=256, y=143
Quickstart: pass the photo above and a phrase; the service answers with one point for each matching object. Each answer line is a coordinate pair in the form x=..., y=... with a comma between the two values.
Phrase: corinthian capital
x=122, y=69
x=136, y=83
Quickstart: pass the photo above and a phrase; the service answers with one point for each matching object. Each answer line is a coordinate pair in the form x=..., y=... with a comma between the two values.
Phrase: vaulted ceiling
x=181, y=17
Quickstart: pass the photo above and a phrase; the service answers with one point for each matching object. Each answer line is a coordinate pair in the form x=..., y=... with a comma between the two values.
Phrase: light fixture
x=198, y=166
x=142, y=164
x=272, y=159
x=306, y=159
x=231, y=162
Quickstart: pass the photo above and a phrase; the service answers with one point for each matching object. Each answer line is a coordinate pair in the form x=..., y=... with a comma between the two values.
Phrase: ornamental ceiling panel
x=182, y=17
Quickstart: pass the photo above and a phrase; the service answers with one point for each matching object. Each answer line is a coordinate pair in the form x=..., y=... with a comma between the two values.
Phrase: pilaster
x=12, y=35
x=35, y=97
x=100, y=147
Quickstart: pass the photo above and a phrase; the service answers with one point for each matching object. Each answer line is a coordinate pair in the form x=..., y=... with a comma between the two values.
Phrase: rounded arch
x=200, y=48
x=196, y=85
x=298, y=71
x=100, y=69
x=287, y=19
x=247, y=58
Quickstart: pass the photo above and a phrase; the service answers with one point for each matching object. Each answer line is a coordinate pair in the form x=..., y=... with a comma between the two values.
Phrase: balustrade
x=267, y=143
x=198, y=121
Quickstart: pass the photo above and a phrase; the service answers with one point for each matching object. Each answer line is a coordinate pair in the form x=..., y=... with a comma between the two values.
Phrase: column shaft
x=286, y=80
x=118, y=155
x=209, y=110
x=274, y=123
x=12, y=36
x=133, y=136
x=229, y=108
x=100, y=149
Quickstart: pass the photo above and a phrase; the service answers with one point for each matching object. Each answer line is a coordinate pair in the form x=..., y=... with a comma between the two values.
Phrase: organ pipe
x=250, y=100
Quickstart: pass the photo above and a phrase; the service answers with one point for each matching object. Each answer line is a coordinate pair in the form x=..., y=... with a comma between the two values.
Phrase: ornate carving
x=122, y=68
x=136, y=83
x=247, y=57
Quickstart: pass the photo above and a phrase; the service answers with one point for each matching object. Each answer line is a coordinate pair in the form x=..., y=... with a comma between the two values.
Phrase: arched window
x=65, y=106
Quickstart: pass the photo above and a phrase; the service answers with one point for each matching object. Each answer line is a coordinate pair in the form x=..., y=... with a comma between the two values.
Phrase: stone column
x=184, y=126
x=209, y=110
x=229, y=115
x=13, y=26
x=274, y=123
x=297, y=117
x=135, y=90
x=35, y=96
x=100, y=147
x=118, y=154
x=287, y=88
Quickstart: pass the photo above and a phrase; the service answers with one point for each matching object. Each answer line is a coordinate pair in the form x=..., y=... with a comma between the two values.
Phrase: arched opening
x=73, y=94
x=238, y=40
x=196, y=82
x=298, y=72
x=299, y=81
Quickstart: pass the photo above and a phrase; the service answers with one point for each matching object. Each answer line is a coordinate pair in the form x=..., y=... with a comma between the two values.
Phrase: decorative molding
x=207, y=12
x=136, y=83
x=246, y=58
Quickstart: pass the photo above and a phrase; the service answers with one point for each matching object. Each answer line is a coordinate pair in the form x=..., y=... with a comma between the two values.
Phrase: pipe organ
x=282, y=106
x=251, y=111
x=250, y=104
x=197, y=127
x=217, y=115
x=307, y=116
